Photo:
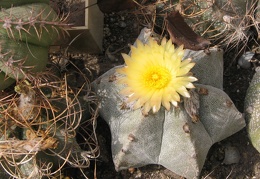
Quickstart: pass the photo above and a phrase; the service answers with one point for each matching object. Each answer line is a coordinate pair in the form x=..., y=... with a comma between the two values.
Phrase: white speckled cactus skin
x=170, y=138
x=252, y=110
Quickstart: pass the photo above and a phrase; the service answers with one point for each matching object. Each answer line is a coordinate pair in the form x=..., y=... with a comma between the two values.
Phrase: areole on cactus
x=25, y=34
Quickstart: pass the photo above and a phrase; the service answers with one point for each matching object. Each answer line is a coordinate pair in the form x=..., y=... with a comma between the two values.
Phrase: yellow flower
x=155, y=75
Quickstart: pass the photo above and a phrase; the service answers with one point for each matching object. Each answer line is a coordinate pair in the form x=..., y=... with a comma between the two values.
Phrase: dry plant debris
x=182, y=34
x=41, y=118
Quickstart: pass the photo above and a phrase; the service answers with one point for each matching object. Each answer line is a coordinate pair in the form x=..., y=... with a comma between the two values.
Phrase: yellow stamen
x=156, y=77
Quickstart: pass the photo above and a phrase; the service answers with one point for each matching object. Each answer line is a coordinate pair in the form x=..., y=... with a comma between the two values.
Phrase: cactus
x=42, y=115
x=252, y=110
x=33, y=23
x=26, y=32
x=224, y=22
x=175, y=138
x=8, y=4
x=38, y=128
x=19, y=57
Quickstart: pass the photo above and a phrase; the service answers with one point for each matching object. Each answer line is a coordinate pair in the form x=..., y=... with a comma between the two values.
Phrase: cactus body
x=9, y=4
x=26, y=31
x=170, y=138
x=206, y=64
x=252, y=110
x=225, y=22
x=19, y=57
x=33, y=23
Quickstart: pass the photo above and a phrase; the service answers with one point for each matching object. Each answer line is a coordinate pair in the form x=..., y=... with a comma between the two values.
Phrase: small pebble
x=112, y=19
x=107, y=31
x=232, y=155
x=244, y=60
x=257, y=169
x=131, y=170
x=122, y=24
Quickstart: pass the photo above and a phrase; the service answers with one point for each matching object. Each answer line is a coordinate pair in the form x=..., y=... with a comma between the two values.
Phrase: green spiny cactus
x=33, y=23
x=25, y=34
x=13, y=3
x=252, y=110
x=225, y=22
x=19, y=57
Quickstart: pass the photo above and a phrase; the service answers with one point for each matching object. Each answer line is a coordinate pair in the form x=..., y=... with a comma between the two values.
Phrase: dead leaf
x=107, y=6
x=182, y=34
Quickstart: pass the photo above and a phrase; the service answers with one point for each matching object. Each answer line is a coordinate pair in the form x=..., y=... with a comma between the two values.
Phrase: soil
x=122, y=29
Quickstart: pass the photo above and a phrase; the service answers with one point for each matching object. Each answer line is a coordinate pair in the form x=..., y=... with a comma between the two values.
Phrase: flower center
x=156, y=77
